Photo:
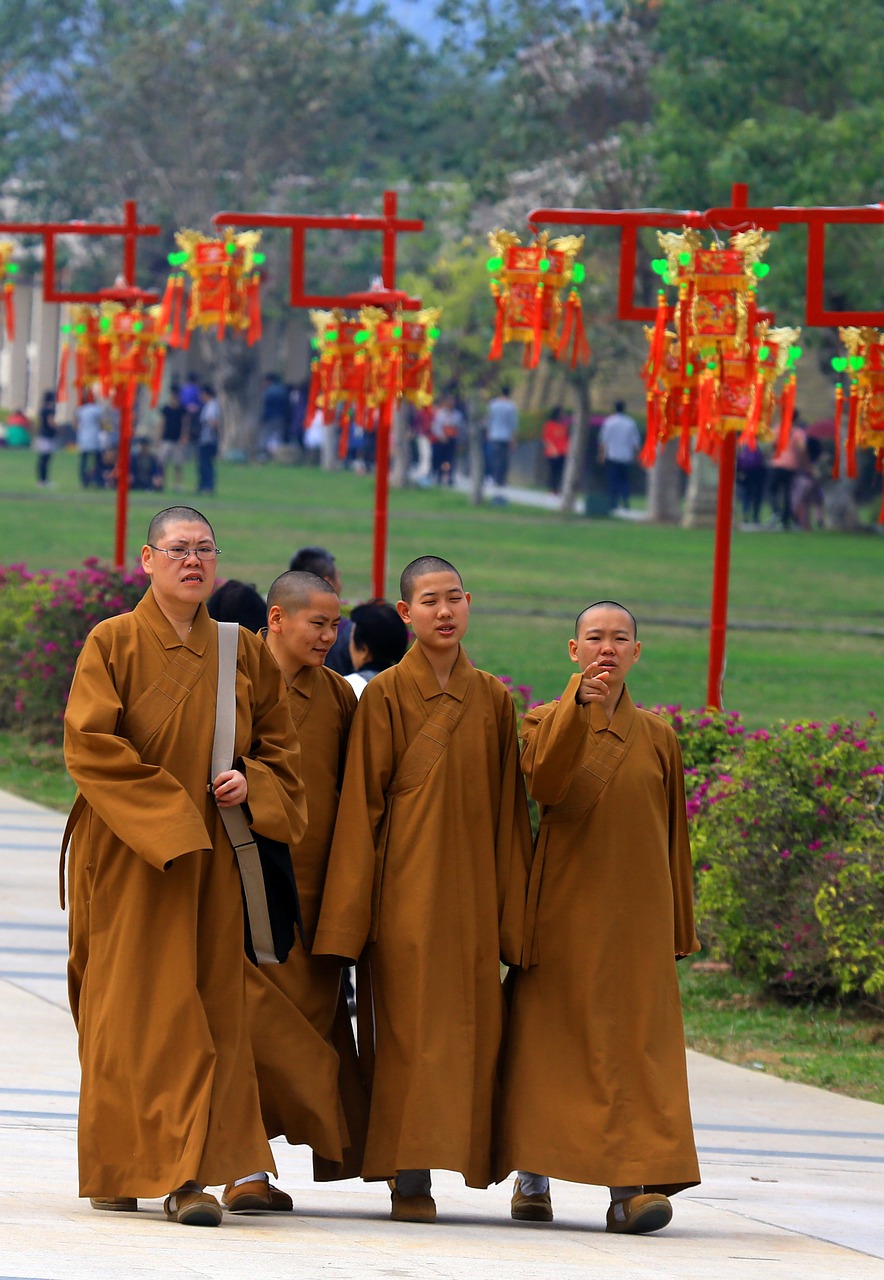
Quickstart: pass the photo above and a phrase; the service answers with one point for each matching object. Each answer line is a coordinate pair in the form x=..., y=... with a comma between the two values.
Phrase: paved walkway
x=793, y=1177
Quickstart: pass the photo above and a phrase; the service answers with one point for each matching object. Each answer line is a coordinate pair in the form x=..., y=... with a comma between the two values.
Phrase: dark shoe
x=118, y=1204
x=639, y=1215
x=193, y=1208
x=259, y=1196
x=411, y=1208
x=530, y=1208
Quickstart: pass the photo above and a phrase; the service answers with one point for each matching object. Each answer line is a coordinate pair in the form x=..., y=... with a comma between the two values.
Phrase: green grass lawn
x=832, y=1048
x=798, y=602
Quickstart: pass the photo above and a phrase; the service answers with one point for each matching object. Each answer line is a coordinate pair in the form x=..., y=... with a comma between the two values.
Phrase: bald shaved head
x=606, y=604
x=293, y=591
x=417, y=569
x=172, y=515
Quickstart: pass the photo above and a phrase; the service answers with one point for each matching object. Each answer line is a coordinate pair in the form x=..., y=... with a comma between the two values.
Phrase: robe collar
x=417, y=665
x=619, y=722
x=202, y=630
x=305, y=681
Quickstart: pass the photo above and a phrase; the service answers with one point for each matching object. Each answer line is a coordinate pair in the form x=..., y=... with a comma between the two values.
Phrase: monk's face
x=438, y=612
x=305, y=635
x=180, y=584
x=606, y=636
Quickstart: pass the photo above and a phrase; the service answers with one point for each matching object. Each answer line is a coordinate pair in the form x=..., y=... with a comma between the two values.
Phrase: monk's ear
x=572, y=649
x=275, y=616
x=404, y=611
x=147, y=559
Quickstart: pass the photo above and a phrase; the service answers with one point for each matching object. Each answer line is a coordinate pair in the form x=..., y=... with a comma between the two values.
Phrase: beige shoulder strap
x=234, y=820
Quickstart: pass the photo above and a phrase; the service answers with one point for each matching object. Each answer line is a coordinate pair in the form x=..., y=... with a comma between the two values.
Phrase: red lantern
x=717, y=372
x=83, y=340
x=864, y=365
x=527, y=286
x=224, y=290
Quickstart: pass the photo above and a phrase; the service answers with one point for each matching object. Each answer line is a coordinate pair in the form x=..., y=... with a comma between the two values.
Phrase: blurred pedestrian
x=44, y=441
x=555, y=439
x=208, y=439
x=502, y=427
x=88, y=418
x=619, y=442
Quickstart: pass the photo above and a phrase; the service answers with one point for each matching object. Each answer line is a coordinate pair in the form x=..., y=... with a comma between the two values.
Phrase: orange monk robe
x=595, y=1084
x=169, y=1091
x=298, y=1010
x=431, y=881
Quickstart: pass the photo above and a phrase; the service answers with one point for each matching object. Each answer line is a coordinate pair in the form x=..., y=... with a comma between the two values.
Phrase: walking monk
x=427, y=875
x=169, y=1096
x=297, y=1010
x=595, y=1082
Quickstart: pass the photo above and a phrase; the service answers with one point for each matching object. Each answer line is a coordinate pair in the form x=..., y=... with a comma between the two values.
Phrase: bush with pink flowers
x=42, y=650
x=788, y=846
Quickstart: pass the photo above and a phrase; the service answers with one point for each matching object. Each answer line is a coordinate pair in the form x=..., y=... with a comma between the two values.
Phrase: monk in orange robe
x=595, y=1082
x=427, y=877
x=169, y=1097
x=308, y=1073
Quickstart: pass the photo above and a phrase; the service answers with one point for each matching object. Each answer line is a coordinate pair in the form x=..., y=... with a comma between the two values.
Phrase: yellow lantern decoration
x=528, y=283
x=864, y=366
x=225, y=286
x=717, y=372
x=7, y=269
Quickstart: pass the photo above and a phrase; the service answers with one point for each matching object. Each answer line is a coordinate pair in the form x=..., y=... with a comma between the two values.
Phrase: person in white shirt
x=619, y=442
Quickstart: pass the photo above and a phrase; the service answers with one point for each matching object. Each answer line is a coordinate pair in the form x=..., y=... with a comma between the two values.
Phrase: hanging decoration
x=362, y=367
x=81, y=341
x=716, y=370
x=400, y=353
x=225, y=286
x=8, y=269
x=339, y=367
x=535, y=294
x=864, y=367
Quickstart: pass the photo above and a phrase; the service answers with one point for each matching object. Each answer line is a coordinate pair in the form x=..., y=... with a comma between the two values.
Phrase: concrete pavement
x=793, y=1177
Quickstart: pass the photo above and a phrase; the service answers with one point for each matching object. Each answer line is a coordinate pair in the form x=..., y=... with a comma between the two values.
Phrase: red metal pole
x=125, y=404
x=381, y=502
x=721, y=570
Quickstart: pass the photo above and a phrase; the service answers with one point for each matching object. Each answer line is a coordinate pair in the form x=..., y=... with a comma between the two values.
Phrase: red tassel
x=496, y=349
x=684, y=445
x=537, y=346
x=852, y=414
x=839, y=406
x=581, y=350
x=683, y=326
x=750, y=435
x=254, y=310
x=180, y=316
x=9, y=301
x=787, y=410
x=157, y=376
x=648, y=455
x=61, y=393
x=658, y=339
x=344, y=434
x=526, y=356
x=562, y=348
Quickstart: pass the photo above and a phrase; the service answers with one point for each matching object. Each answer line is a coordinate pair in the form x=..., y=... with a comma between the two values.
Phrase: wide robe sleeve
x=116, y=783
x=345, y=920
x=680, y=867
x=271, y=761
x=514, y=842
x=553, y=738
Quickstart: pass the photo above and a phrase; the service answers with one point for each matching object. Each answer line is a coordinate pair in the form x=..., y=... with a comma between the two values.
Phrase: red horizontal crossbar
x=738, y=216
x=388, y=224
x=129, y=230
